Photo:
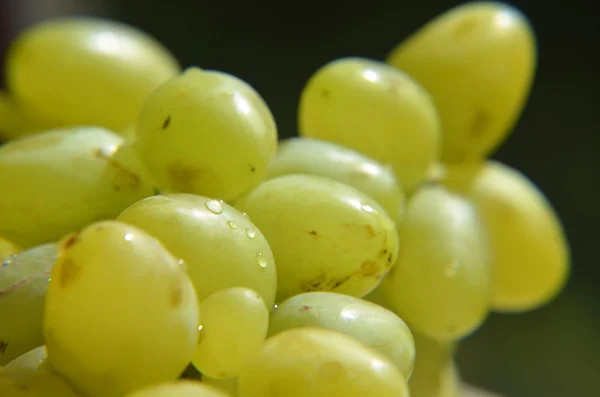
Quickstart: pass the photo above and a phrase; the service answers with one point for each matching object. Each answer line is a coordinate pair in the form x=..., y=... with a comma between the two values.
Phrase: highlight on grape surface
x=158, y=238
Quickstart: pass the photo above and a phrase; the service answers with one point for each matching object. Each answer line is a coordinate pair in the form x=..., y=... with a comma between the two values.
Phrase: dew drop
x=182, y=265
x=250, y=233
x=9, y=261
x=261, y=260
x=231, y=225
x=275, y=307
x=214, y=206
x=246, y=215
x=368, y=208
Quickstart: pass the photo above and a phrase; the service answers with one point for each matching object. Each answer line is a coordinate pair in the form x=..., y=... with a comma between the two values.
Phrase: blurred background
x=276, y=45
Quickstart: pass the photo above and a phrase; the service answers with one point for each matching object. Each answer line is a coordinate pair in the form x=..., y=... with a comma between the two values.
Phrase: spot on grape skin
x=464, y=27
x=166, y=123
x=369, y=268
x=133, y=179
x=3, y=346
x=333, y=370
x=325, y=93
x=480, y=123
x=183, y=177
x=71, y=241
x=69, y=271
x=370, y=230
x=176, y=296
x=305, y=308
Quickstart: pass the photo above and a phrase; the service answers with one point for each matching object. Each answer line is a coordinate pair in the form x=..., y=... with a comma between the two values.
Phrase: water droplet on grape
x=368, y=208
x=261, y=260
x=246, y=215
x=9, y=261
x=182, y=265
x=214, y=206
x=250, y=233
x=231, y=225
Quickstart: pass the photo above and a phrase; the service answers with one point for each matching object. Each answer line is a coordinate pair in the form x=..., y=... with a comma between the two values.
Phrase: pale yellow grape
x=207, y=133
x=23, y=282
x=435, y=373
x=530, y=252
x=441, y=284
x=478, y=62
x=7, y=248
x=328, y=159
x=314, y=362
x=120, y=311
x=25, y=382
x=33, y=359
x=228, y=386
x=56, y=182
x=16, y=121
x=234, y=326
x=87, y=71
x=375, y=109
x=369, y=323
x=220, y=246
x=183, y=388
x=325, y=235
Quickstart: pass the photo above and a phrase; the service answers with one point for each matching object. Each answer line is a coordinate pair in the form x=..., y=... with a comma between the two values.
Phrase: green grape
x=87, y=71
x=33, y=359
x=314, y=362
x=441, y=283
x=375, y=109
x=228, y=386
x=317, y=157
x=56, y=182
x=325, y=236
x=26, y=382
x=369, y=323
x=435, y=373
x=478, y=62
x=23, y=282
x=182, y=388
x=220, y=246
x=16, y=121
x=234, y=326
x=7, y=248
x=120, y=312
x=530, y=253
x=207, y=133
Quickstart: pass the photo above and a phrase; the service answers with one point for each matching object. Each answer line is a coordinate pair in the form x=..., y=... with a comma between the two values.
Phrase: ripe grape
x=478, y=62
x=325, y=236
x=25, y=382
x=120, y=312
x=206, y=133
x=375, y=109
x=56, y=182
x=221, y=248
x=234, y=327
x=328, y=159
x=315, y=362
x=182, y=388
x=530, y=253
x=441, y=283
x=87, y=71
x=369, y=323
x=33, y=359
x=23, y=283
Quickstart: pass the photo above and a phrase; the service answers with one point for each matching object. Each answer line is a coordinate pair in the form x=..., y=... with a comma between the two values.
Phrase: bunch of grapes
x=158, y=240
